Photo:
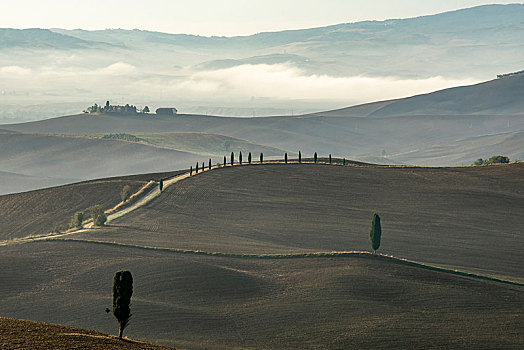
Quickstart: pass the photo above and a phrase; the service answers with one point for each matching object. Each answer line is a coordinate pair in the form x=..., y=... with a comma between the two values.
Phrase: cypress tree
x=203, y=168
x=196, y=169
x=330, y=159
x=190, y=170
x=225, y=161
x=161, y=185
x=249, y=158
x=344, y=162
x=285, y=158
x=122, y=292
x=315, y=157
x=299, y=157
x=209, y=163
x=232, y=158
x=376, y=232
x=240, y=158
x=261, y=158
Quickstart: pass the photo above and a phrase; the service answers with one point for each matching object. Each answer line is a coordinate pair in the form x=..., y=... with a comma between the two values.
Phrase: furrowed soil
x=44, y=211
x=23, y=335
x=467, y=218
x=198, y=302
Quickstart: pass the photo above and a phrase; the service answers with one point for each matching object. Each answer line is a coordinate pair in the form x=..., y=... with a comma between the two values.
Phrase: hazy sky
x=213, y=17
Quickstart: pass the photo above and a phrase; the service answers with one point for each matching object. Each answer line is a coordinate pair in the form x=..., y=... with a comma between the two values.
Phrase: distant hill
x=495, y=97
x=36, y=38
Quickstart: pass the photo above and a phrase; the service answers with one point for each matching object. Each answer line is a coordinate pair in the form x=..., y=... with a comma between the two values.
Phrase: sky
x=212, y=17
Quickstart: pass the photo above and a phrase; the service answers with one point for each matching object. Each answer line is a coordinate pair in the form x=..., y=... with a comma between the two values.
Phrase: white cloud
x=118, y=68
x=14, y=70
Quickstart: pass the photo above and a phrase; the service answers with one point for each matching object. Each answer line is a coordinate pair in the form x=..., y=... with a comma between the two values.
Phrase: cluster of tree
x=492, y=160
x=125, y=137
x=97, y=214
x=108, y=108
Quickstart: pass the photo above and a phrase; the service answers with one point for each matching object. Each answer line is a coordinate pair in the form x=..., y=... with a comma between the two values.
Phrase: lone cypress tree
x=225, y=160
x=261, y=158
x=209, y=163
x=122, y=292
x=285, y=158
x=376, y=232
x=344, y=162
x=240, y=158
x=203, y=167
x=161, y=185
x=315, y=157
x=249, y=158
x=330, y=159
x=196, y=169
x=232, y=158
x=190, y=170
x=299, y=157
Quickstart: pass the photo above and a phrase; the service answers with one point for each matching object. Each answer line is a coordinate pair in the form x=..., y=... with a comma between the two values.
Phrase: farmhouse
x=167, y=111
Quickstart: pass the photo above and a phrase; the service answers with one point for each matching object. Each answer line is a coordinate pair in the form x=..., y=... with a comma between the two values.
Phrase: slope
x=47, y=210
x=196, y=302
x=468, y=218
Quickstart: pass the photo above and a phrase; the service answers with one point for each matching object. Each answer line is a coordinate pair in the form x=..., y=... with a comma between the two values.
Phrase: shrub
x=98, y=215
x=376, y=232
x=122, y=292
x=479, y=161
x=125, y=193
x=498, y=160
x=76, y=220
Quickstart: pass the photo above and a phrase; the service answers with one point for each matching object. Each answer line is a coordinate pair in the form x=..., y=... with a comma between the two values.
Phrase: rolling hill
x=203, y=279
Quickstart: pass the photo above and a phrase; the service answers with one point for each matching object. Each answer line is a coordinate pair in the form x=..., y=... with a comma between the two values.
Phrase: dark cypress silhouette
x=190, y=170
x=330, y=159
x=299, y=157
x=315, y=157
x=122, y=292
x=203, y=168
x=225, y=160
x=285, y=158
x=240, y=158
x=249, y=158
x=376, y=232
x=261, y=158
x=161, y=185
x=344, y=162
x=232, y=158
x=196, y=169
x=209, y=163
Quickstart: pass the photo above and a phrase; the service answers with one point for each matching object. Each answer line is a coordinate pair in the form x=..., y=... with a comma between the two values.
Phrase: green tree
x=196, y=169
x=498, y=160
x=98, y=215
x=209, y=163
x=240, y=157
x=161, y=185
x=125, y=193
x=330, y=159
x=299, y=157
x=191, y=170
x=249, y=158
x=285, y=158
x=146, y=110
x=76, y=220
x=479, y=161
x=261, y=158
x=122, y=292
x=376, y=232
x=232, y=158
x=225, y=160
x=344, y=162
x=315, y=157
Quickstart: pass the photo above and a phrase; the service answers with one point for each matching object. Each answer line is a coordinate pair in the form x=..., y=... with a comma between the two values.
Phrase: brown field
x=467, y=218
x=23, y=335
x=198, y=302
x=42, y=211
